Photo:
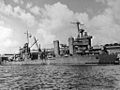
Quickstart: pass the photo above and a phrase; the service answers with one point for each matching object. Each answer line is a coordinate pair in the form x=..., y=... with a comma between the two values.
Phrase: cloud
x=56, y=19
x=5, y=32
x=29, y=5
x=56, y=23
x=10, y=43
x=35, y=10
x=105, y=26
x=45, y=37
x=18, y=1
x=102, y=1
x=26, y=17
x=17, y=12
x=5, y=39
x=1, y=22
x=6, y=9
x=114, y=6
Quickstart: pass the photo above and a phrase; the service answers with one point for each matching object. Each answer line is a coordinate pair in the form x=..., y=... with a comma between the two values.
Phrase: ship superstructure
x=79, y=45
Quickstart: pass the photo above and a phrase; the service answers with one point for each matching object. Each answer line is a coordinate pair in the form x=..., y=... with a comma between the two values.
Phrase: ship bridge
x=81, y=43
x=78, y=45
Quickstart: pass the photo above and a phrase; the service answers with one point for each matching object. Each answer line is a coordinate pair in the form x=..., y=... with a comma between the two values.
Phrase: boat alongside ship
x=78, y=52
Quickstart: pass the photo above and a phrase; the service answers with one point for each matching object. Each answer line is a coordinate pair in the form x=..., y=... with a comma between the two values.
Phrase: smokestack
x=70, y=41
x=56, y=48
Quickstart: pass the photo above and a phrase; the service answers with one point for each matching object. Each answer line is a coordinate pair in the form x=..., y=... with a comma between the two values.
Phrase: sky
x=50, y=20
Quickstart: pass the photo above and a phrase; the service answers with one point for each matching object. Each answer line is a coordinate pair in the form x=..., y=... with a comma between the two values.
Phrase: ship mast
x=80, y=30
x=28, y=36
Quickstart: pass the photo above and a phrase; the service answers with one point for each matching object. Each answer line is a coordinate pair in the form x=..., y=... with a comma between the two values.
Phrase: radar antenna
x=80, y=30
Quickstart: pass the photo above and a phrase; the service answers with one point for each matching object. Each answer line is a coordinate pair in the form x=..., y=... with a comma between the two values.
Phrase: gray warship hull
x=70, y=60
x=57, y=61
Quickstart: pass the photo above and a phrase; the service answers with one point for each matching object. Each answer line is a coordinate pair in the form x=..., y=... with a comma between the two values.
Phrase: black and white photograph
x=59, y=44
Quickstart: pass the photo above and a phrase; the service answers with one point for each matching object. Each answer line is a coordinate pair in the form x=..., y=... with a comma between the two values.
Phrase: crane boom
x=34, y=43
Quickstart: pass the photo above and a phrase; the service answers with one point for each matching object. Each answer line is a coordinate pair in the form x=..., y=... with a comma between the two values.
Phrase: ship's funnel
x=56, y=48
x=70, y=41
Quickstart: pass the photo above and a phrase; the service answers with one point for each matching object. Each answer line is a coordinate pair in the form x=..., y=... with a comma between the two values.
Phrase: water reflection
x=48, y=77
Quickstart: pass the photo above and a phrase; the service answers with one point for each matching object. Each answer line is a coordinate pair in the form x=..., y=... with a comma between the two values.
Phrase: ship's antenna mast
x=80, y=30
x=28, y=36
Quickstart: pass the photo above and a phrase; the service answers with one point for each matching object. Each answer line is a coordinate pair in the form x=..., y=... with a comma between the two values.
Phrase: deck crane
x=37, y=45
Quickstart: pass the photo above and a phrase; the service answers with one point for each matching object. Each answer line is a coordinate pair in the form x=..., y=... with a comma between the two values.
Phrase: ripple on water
x=36, y=77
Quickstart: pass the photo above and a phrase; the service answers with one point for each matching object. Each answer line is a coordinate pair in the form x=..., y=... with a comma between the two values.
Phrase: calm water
x=36, y=77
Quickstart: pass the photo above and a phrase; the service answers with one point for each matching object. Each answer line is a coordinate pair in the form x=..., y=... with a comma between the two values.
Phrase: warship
x=79, y=51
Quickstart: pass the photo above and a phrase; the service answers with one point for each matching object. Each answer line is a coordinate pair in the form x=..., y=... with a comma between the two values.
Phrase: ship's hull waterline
x=71, y=60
